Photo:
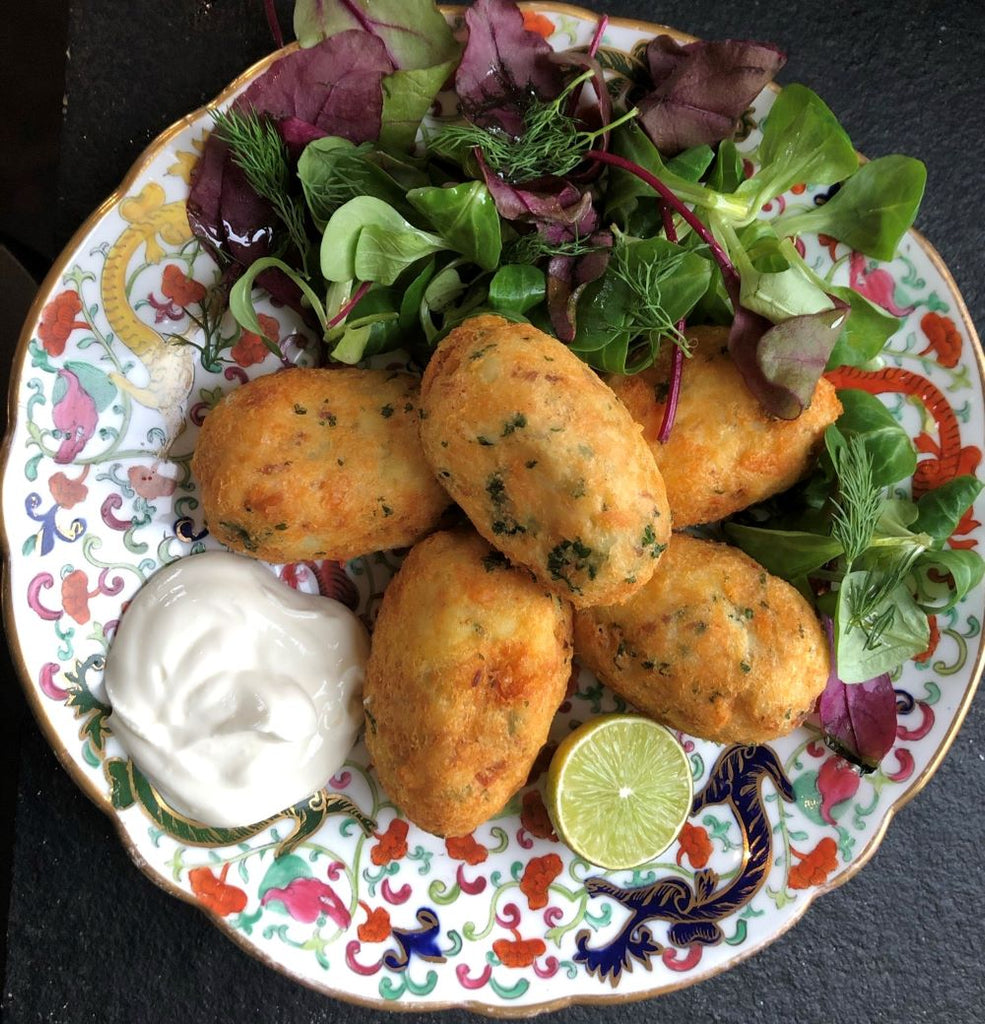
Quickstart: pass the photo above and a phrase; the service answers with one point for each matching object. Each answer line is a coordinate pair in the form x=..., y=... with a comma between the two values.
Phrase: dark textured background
x=89, y=937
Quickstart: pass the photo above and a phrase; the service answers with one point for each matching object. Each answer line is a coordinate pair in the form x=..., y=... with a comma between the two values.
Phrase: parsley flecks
x=648, y=539
x=495, y=560
x=496, y=489
x=573, y=558
x=507, y=526
x=387, y=411
x=517, y=422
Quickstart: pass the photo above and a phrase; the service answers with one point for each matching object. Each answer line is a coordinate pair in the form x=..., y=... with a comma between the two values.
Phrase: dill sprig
x=259, y=151
x=551, y=142
x=533, y=247
x=647, y=314
x=874, y=590
x=858, y=506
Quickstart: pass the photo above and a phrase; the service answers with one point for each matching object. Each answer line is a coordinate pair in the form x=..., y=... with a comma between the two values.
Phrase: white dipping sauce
x=234, y=694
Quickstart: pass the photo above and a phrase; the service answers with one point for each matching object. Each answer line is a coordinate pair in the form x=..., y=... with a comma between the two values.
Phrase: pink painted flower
x=837, y=781
x=149, y=483
x=307, y=899
x=74, y=415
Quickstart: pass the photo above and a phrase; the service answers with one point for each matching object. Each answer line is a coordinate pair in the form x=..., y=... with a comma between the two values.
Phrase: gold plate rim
x=100, y=798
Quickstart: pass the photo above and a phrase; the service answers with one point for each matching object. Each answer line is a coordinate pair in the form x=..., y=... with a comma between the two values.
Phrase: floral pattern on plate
x=340, y=891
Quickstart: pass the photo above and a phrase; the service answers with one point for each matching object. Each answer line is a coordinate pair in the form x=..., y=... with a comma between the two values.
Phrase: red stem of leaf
x=599, y=32
x=673, y=392
x=348, y=307
x=677, y=359
x=729, y=272
x=268, y=6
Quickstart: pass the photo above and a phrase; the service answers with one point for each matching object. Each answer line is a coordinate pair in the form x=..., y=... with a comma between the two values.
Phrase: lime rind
x=619, y=790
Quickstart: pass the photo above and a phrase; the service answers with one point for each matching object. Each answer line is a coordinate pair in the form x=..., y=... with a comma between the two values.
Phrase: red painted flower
x=251, y=348
x=813, y=868
x=695, y=845
x=376, y=927
x=215, y=893
x=66, y=491
x=534, y=22
x=58, y=320
x=392, y=844
x=534, y=817
x=518, y=952
x=75, y=596
x=180, y=288
x=935, y=637
x=537, y=878
x=943, y=338
x=467, y=849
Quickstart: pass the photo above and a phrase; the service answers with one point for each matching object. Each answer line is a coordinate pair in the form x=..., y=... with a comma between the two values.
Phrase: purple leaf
x=503, y=67
x=230, y=219
x=567, y=277
x=782, y=363
x=701, y=89
x=335, y=86
x=858, y=720
x=552, y=201
x=297, y=134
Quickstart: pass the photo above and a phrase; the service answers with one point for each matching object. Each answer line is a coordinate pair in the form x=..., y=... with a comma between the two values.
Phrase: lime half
x=619, y=790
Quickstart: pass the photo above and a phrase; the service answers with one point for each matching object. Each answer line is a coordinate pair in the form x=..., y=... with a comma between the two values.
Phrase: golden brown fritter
x=470, y=659
x=305, y=464
x=725, y=452
x=713, y=645
x=546, y=463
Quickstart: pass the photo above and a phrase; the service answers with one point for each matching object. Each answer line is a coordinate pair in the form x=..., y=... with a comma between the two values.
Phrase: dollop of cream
x=234, y=694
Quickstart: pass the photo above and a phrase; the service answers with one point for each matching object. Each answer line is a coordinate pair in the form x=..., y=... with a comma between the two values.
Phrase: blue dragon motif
x=694, y=911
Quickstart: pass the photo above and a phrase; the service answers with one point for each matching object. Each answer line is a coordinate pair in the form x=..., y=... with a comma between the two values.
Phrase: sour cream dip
x=234, y=694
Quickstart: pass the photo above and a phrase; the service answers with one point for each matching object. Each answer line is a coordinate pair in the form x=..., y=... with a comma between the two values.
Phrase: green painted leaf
x=95, y=383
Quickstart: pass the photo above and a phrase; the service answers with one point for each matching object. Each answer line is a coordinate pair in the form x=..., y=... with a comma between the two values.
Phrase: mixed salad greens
x=389, y=180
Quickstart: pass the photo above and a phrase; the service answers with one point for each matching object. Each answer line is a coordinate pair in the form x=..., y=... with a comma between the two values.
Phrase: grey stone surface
x=91, y=939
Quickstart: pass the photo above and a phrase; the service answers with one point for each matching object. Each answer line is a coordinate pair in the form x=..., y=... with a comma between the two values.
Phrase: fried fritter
x=543, y=459
x=470, y=659
x=713, y=645
x=305, y=464
x=725, y=452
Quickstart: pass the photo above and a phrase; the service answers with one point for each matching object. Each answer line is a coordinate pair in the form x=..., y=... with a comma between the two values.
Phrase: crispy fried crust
x=470, y=660
x=306, y=464
x=725, y=453
x=713, y=645
x=548, y=466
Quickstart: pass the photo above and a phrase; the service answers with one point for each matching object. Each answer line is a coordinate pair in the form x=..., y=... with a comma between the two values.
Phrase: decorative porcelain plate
x=341, y=892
